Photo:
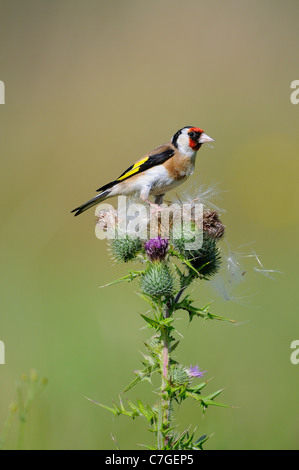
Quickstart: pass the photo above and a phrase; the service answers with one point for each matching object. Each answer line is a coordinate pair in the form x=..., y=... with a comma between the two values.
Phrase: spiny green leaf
x=133, y=407
x=153, y=323
x=195, y=396
x=132, y=384
x=129, y=278
x=198, y=388
x=199, y=443
x=145, y=411
x=154, y=304
x=184, y=260
x=157, y=324
x=174, y=346
x=215, y=394
x=208, y=402
x=112, y=410
x=186, y=304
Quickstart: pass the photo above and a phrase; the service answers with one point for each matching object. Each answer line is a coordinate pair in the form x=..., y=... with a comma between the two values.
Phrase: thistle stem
x=165, y=398
x=165, y=401
x=165, y=359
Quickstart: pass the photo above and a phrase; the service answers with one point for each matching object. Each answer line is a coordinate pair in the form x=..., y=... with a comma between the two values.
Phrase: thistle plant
x=168, y=268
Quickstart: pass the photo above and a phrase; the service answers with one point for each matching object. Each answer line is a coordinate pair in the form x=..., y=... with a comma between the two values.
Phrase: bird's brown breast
x=179, y=167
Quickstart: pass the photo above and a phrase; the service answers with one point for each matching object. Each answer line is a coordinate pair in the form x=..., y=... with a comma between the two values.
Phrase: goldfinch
x=158, y=171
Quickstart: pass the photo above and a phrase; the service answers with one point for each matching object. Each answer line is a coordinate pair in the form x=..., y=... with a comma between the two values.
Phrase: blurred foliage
x=29, y=388
x=90, y=87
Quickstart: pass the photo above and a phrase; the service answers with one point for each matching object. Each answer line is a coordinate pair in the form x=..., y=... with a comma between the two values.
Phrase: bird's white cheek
x=184, y=147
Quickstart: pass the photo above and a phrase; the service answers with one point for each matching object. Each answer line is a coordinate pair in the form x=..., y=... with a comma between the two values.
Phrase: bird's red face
x=194, y=135
x=189, y=139
x=197, y=137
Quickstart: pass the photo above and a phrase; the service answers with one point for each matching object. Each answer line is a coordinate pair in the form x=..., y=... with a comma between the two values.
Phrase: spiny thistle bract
x=126, y=248
x=157, y=281
x=179, y=376
x=206, y=260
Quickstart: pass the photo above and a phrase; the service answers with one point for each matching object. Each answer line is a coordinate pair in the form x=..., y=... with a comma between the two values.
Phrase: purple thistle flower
x=156, y=248
x=195, y=371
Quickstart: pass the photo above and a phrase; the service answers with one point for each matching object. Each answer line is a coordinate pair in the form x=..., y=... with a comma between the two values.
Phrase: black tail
x=92, y=202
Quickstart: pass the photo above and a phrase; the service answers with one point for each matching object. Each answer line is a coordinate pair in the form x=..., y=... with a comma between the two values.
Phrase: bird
x=157, y=172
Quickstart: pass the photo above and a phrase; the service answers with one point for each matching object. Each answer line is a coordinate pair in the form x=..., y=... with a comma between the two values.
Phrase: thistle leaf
x=129, y=278
x=186, y=304
x=112, y=410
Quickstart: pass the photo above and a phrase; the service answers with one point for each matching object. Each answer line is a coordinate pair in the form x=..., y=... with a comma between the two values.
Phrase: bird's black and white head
x=189, y=139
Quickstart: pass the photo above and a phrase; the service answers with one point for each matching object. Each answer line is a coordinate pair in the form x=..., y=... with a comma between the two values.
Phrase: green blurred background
x=90, y=87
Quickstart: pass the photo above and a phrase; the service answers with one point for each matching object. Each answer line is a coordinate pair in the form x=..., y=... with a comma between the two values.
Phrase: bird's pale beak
x=204, y=138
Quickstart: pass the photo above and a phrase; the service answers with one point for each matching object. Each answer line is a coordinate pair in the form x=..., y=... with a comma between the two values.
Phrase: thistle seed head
x=212, y=224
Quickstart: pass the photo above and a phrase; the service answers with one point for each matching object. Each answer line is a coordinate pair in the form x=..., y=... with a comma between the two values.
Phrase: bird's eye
x=192, y=135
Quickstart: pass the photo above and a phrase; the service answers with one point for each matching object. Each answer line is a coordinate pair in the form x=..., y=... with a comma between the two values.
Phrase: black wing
x=149, y=161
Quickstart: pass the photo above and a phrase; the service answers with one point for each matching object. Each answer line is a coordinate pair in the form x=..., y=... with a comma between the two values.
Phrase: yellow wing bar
x=134, y=170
